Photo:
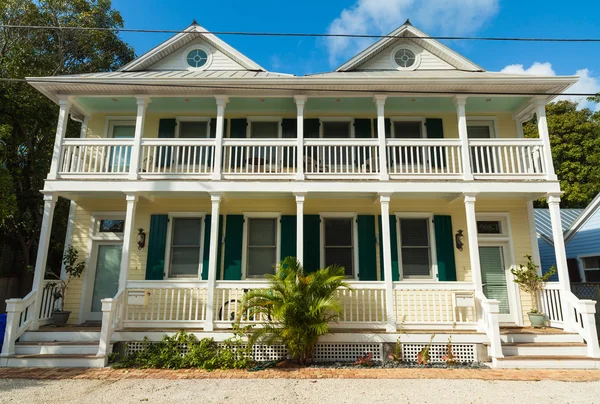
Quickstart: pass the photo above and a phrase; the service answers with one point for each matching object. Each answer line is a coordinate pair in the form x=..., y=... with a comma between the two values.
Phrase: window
x=197, y=58
x=591, y=268
x=489, y=227
x=185, y=251
x=415, y=248
x=480, y=128
x=336, y=129
x=121, y=128
x=408, y=129
x=261, y=250
x=404, y=58
x=264, y=129
x=339, y=243
x=193, y=129
x=111, y=226
x=492, y=225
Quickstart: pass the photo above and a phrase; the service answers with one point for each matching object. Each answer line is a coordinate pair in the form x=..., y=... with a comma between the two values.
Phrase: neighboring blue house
x=581, y=229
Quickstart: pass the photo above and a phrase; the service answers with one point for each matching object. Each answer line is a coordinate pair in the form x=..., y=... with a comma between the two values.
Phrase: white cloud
x=587, y=83
x=379, y=17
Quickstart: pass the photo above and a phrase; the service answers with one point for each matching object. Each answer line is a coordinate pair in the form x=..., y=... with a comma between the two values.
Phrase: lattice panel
x=346, y=352
x=462, y=352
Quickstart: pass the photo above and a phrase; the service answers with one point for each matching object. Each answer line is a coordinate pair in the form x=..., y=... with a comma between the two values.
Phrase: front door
x=104, y=275
x=495, y=273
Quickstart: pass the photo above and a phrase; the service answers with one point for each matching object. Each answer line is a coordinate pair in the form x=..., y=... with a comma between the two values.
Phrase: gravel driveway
x=322, y=391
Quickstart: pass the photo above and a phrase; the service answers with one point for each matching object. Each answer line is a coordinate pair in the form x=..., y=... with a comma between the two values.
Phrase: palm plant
x=300, y=307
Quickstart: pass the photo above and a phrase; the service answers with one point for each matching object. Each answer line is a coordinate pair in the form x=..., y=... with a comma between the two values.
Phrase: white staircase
x=525, y=348
x=59, y=349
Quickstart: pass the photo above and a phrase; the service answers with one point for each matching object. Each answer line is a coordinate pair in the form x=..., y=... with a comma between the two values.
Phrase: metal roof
x=543, y=224
x=175, y=74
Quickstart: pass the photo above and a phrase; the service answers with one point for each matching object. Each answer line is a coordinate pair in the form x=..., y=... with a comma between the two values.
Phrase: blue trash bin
x=2, y=329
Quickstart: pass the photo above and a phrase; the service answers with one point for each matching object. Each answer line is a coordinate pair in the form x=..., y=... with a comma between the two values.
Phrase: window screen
x=262, y=247
x=193, y=129
x=336, y=129
x=416, y=254
x=591, y=268
x=480, y=129
x=339, y=248
x=123, y=131
x=407, y=130
x=185, y=247
x=264, y=130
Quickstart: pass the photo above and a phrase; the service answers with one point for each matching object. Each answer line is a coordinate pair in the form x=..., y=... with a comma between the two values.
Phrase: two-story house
x=197, y=171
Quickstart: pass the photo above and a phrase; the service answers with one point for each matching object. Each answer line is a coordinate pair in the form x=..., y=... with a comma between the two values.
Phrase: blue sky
x=523, y=18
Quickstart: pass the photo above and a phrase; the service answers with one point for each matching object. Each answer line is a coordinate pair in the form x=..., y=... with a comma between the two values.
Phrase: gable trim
x=585, y=216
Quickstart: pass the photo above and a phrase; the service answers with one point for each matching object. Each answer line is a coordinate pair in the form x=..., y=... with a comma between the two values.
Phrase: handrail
x=462, y=286
x=19, y=316
x=260, y=142
x=584, y=312
x=97, y=142
x=112, y=317
x=505, y=142
x=423, y=142
x=167, y=283
x=341, y=142
x=178, y=141
x=490, y=310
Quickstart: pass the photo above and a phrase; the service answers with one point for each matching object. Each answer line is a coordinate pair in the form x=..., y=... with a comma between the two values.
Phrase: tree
x=27, y=118
x=575, y=140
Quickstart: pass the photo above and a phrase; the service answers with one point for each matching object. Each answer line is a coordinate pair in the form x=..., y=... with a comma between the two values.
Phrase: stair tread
x=547, y=357
x=54, y=356
x=545, y=344
x=534, y=331
x=56, y=343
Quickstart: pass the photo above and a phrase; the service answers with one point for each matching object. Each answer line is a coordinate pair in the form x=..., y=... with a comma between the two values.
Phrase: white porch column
x=136, y=149
x=215, y=200
x=42, y=255
x=384, y=200
x=561, y=257
x=535, y=254
x=300, y=226
x=540, y=110
x=221, y=102
x=61, y=129
x=461, y=101
x=472, y=240
x=383, y=170
x=300, y=102
x=128, y=235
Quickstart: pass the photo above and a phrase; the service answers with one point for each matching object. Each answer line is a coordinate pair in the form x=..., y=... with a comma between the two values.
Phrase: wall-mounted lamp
x=459, y=240
x=141, y=238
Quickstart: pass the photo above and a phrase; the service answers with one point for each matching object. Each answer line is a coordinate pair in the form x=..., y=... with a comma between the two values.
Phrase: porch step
x=525, y=337
x=53, y=361
x=544, y=349
x=546, y=362
x=60, y=336
x=57, y=348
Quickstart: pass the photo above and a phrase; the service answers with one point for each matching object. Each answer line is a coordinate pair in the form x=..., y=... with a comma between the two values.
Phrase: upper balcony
x=242, y=138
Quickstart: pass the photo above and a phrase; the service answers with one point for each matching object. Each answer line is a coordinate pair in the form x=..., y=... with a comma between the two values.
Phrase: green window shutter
x=394, y=248
x=311, y=128
x=213, y=128
x=166, y=130
x=238, y=128
x=388, y=128
x=362, y=128
x=157, y=244
x=288, y=237
x=234, y=231
x=367, y=244
x=444, y=244
x=435, y=130
x=206, y=252
x=289, y=128
x=312, y=243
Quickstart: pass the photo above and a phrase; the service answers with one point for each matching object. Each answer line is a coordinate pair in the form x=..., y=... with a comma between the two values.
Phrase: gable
x=176, y=60
x=384, y=60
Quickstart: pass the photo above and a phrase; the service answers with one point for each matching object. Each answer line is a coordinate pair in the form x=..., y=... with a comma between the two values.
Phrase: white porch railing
x=340, y=158
x=112, y=320
x=172, y=157
x=19, y=316
x=165, y=303
x=89, y=157
x=551, y=305
x=259, y=157
x=489, y=321
x=507, y=157
x=48, y=302
x=424, y=157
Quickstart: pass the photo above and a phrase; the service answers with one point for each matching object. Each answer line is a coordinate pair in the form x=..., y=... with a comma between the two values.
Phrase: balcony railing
x=360, y=159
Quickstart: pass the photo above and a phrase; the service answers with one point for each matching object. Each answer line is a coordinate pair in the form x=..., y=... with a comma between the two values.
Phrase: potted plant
x=530, y=281
x=73, y=269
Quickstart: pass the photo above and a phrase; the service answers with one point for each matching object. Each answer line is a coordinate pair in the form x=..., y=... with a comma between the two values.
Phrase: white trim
x=274, y=119
x=97, y=217
x=503, y=218
x=582, y=219
x=341, y=215
x=432, y=246
x=420, y=119
x=110, y=121
x=472, y=121
x=350, y=121
x=180, y=119
x=190, y=48
x=417, y=51
x=259, y=215
x=169, y=244
x=581, y=267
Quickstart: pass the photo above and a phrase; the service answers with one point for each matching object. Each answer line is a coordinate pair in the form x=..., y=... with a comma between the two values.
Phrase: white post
x=42, y=256
x=535, y=251
x=384, y=200
x=383, y=169
x=221, y=102
x=587, y=309
x=492, y=308
x=108, y=313
x=14, y=308
x=136, y=149
x=215, y=200
x=128, y=236
x=300, y=102
x=84, y=127
x=472, y=240
x=461, y=101
x=540, y=110
x=561, y=258
x=300, y=226
x=61, y=129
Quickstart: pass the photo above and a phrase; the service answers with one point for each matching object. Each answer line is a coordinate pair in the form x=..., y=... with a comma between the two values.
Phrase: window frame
x=414, y=49
x=420, y=119
x=97, y=217
x=348, y=119
x=275, y=119
x=190, y=48
x=581, y=264
x=180, y=119
x=169, y=244
x=432, y=246
x=503, y=218
x=492, y=123
x=259, y=215
x=111, y=121
x=341, y=215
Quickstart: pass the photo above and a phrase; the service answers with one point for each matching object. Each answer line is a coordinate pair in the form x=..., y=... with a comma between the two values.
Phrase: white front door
x=497, y=279
x=103, y=278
